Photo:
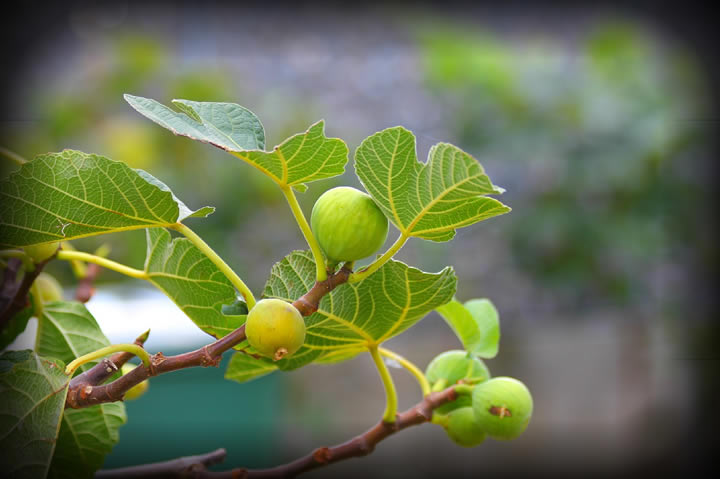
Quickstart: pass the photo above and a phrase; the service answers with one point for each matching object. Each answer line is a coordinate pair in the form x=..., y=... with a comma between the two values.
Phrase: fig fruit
x=275, y=328
x=463, y=429
x=49, y=288
x=453, y=366
x=348, y=224
x=41, y=252
x=503, y=407
x=137, y=390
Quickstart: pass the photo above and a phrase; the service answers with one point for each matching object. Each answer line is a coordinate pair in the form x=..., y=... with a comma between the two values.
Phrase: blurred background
x=599, y=123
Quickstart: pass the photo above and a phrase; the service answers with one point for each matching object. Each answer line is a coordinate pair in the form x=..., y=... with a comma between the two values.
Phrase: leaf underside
x=71, y=194
x=476, y=325
x=352, y=317
x=430, y=200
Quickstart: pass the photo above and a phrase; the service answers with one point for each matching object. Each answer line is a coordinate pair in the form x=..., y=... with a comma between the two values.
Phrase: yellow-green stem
x=79, y=268
x=107, y=350
x=390, y=392
x=218, y=261
x=12, y=253
x=104, y=262
x=375, y=265
x=412, y=369
x=321, y=273
x=439, y=385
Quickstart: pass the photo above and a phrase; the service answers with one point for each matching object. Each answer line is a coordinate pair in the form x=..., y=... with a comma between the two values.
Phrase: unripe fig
x=49, y=288
x=41, y=252
x=275, y=328
x=137, y=390
x=348, y=224
x=453, y=366
x=503, y=407
x=463, y=429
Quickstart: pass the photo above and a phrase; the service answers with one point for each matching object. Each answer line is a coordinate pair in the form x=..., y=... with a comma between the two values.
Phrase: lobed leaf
x=355, y=316
x=300, y=159
x=476, y=325
x=32, y=400
x=192, y=281
x=67, y=330
x=71, y=194
x=428, y=200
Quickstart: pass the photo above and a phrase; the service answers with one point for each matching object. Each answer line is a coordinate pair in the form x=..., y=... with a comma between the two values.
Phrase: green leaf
x=243, y=368
x=355, y=316
x=68, y=330
x=476, y=324
x=15, y=326
x=71, y=194
x=300, y=159
x=32, y=400
x=226, y=125
x=192, y=281
x=429, y=200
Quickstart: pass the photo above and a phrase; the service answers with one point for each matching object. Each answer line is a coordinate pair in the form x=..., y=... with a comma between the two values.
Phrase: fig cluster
x=499, y=407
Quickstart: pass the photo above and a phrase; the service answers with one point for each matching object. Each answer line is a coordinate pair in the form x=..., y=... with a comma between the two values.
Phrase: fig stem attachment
x=217, y=261
x=375, y=265
x=412, y=369
x=321, y=273
x=439, y=385
x=104, y=262
x=107, y=350
x=390, y=392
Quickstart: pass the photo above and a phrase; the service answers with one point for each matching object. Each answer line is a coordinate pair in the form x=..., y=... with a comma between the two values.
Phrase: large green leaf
x=60, y=196
x=68, y=330
x=354, y=317
x=302, y=158
x=32, y=400
x=476, y=324
x=429, y=200
x=192, y=281
x=226, y=125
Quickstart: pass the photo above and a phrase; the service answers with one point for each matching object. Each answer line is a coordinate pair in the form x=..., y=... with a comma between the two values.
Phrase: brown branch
x=86, y=286
x=359, y=446
x=86, y=392
x=181, y=467
x=14, y=293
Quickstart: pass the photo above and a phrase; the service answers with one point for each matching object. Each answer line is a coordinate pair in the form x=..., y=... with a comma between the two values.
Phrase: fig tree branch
x=182, y=467
x=14, y=293
x=358, y=446
x=83, y=393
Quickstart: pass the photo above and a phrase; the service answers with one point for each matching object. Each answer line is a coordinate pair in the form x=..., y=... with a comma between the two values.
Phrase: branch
x=181, y=467
x=15, y=294
x=359, y=446
x=308, y=303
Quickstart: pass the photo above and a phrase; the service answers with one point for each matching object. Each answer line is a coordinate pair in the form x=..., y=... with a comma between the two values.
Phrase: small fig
x=137, y=390
x=453, y=366
x=503, y=407
x=275, y=328
x=463, y=429
x=41, y=252
x=49, y=288
x=348, y=224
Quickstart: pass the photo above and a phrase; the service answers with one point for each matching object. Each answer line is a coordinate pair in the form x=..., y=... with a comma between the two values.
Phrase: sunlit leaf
x=32, y=400
x=476, y=325
x=192, y=281
x=428, y=200
x=355, y=316
x=60, y=196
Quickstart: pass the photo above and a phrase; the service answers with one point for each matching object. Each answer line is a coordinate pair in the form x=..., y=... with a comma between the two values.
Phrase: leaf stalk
x=375, y=265
x=412, y=369
x=321, y=273
x=107, y=350
x=391, y=404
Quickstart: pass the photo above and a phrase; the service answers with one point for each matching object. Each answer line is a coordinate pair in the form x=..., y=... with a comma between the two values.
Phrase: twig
x=86, y=394
x=14, y=293
x=181, y=467
x=359, y=446
x=86, y=286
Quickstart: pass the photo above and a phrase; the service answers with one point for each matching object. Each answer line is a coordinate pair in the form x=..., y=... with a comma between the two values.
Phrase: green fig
x=41, y=252
x=348, y=224
x=275, y=328
x=137, y=390
x=453, y=366
x=463, y=429
x=503, y=407
x=49, y=288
